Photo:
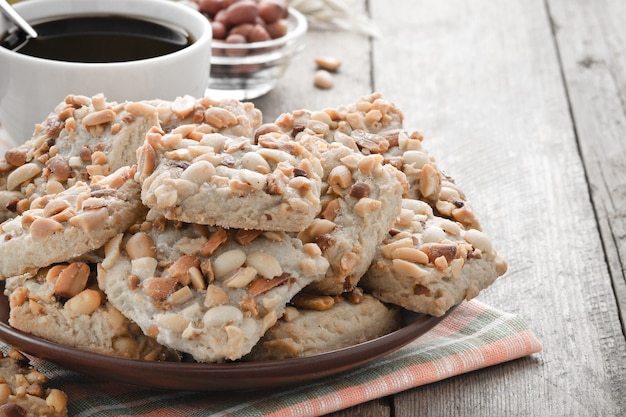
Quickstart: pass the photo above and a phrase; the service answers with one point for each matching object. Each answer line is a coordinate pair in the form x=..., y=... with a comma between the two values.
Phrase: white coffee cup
x=30, y=87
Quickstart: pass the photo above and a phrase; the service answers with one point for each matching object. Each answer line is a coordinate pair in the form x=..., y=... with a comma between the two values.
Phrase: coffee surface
x=98, y=39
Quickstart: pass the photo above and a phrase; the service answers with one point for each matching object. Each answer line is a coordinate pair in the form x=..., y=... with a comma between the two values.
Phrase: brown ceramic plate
x=238, y=376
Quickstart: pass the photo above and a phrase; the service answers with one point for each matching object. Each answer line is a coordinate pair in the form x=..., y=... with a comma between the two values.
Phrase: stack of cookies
x=189, y=229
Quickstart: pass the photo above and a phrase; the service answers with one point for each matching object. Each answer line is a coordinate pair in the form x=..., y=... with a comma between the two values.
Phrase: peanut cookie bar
x=427, y=182
x=194, y=175
x=67, y=225
x=372, y=125
x=63, y=304
x=226, y=116
x=428, y=263
x=84, y=138
x=206, y=291
x=361, y=199
x=331, y=325
x=23, y=390
x=370, y=113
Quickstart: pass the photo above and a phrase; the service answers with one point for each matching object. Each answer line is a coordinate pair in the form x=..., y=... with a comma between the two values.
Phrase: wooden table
x=524, y=103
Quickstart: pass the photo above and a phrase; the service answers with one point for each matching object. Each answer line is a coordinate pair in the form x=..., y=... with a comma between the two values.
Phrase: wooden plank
x=442, y=398
x=591, y=38
x=374, y=408
x=481, y=79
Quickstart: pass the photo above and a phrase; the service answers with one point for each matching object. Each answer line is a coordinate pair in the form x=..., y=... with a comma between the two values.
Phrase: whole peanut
x=245, y=11
x=258, y=34
x=323, y=79
x=272, y=10
x=210, y=7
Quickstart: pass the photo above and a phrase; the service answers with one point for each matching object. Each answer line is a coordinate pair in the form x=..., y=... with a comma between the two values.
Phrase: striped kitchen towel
x=474, y=336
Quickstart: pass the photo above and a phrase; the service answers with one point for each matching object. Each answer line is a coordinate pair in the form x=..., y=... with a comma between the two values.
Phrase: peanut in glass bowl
x=245, y=71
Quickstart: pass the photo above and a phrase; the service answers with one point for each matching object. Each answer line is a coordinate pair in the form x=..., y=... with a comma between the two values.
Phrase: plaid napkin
x=474, y=336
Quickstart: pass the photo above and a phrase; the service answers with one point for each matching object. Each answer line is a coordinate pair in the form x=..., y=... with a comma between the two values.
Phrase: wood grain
x=483, y=82
x=591, y=38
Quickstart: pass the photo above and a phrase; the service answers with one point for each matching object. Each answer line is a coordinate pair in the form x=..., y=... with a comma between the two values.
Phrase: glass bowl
x=249, y=70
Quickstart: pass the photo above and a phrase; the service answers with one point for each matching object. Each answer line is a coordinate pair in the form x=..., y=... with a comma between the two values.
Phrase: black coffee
x=101, y=38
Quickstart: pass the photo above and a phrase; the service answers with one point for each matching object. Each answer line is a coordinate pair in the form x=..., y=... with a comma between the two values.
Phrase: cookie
x=64, y=226
x=371, y=113
x=83, y=139
x=427, y=181
x=305, y=332
x=372, y=125
x=227, y=116
x=428, y=263
x=194, y=175
x=63, y=304
x=361, y=198
x=23, y=390
x=206, y=291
